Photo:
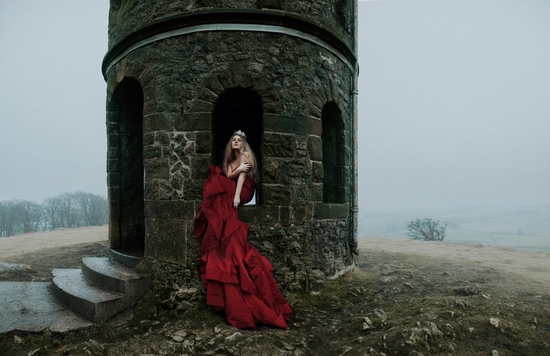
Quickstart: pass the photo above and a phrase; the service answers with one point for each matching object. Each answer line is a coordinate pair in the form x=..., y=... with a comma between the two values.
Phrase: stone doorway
x=125, y=169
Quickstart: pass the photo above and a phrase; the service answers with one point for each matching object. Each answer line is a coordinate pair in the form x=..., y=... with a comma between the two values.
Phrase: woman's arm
x=240, y=182
x=242, y=168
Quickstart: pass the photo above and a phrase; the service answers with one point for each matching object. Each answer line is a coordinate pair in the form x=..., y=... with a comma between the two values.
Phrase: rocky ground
x=394, y=303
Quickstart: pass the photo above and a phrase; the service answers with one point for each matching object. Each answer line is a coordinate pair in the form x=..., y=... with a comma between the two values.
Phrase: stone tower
x=182, y=76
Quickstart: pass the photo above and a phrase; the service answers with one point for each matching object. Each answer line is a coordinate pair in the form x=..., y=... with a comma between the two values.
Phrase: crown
x=240, y=133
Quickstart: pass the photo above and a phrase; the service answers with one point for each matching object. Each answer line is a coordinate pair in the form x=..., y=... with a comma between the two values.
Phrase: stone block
x=276, y=194
x=156, y=168
x=193, y=189
x=294, y=125
x=203, y=142
x=315, y=148
x=113, y=152
x=200, y=165
x=166, y=240
x=193, y=122
x=300, y=214
x=113, y=165
x=259, y=214
x=152, y=152
x=113, y=139
x=316, y=192
x=113, y=179
x=317, y=172
x=198, y=105
x=170, y=209
x=157, y=122
x=272, y=4
x=114, y=194
x=162, y=138
x=296, y=168
x=271, y=170
x=157, y=189
x=330, y=210
x=278, y=145
x=114, y=233
x=148, y=138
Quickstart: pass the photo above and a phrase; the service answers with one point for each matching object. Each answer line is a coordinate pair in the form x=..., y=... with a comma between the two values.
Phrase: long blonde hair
x=229, y=156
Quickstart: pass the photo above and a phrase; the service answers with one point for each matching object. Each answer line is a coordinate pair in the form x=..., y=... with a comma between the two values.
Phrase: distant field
x=524, y=242
x=525, y=229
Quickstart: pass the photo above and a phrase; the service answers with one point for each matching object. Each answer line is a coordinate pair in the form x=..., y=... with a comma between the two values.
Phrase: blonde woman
x=236, y=277
x=239, y=163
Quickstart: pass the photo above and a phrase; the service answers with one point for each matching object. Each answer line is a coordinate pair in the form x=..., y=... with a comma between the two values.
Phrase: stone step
x=83, y=297
x=127, y=258
x=108, y=274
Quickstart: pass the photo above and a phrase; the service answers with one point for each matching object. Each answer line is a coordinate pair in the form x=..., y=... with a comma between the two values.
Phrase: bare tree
x=30, y=215
x=67, y=210
x=4, y=213
x=93, y=208
x=9, y=219
x=52, y=208
x=427, y=230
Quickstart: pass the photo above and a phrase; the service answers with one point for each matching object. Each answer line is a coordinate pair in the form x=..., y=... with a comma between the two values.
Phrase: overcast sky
x=454, y=101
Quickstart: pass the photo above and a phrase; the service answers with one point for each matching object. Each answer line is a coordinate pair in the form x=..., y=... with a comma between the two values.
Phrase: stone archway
x=125, y=168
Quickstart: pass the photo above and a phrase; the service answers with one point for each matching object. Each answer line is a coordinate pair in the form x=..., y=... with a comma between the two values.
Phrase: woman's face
x=237, y=143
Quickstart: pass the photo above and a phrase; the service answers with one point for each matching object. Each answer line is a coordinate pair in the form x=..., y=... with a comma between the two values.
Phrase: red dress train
x=236, y=277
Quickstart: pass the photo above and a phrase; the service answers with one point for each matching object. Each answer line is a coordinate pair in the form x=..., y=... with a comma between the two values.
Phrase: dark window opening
x=238, y=109
x=333, y=153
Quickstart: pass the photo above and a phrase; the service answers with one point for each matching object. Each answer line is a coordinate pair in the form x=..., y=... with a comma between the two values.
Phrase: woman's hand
x=243, y=167
x=236, y=202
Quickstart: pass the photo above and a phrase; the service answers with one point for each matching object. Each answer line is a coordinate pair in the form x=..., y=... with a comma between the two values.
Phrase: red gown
x=236, y=277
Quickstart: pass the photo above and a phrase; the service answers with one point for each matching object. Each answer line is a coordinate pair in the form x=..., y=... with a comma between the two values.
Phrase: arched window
x=237, y=109
x=125, y=131
x=333, y=154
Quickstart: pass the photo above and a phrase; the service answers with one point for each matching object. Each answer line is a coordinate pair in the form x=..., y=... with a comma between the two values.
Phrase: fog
x=454, y=109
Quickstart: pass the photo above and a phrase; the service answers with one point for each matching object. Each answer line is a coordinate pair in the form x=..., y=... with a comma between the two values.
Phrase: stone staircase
x=99, y=290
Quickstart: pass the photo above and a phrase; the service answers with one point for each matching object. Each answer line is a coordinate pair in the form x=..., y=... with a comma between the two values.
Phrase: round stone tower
x=182, y=76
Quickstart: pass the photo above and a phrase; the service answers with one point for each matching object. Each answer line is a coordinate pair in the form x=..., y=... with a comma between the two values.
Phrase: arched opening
x=238, y=109
x=126, y=173
x=333, y=153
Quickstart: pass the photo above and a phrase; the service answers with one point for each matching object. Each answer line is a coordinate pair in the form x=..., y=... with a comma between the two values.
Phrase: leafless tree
x=93, y=208
x=30, y=215
x=8, y=219
x=52, y=208
x=427, y=230
x=67, y=210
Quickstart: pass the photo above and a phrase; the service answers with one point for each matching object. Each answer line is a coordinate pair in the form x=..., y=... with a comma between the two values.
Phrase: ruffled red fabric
x=236, y=277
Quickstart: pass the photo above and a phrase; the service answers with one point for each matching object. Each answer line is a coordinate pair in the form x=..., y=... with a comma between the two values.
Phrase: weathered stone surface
x=166, y=240
x=315, y=148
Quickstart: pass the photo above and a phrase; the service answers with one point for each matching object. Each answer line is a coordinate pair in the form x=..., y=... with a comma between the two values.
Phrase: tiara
x=240, y=133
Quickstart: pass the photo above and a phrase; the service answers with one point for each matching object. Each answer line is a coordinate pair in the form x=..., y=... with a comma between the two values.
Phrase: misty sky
x=454, y=101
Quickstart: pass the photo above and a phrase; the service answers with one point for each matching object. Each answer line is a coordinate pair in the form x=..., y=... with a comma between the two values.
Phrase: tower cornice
x=271, y=21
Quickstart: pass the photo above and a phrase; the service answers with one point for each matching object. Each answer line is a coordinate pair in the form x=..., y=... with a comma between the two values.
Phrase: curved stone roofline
x=224, y=20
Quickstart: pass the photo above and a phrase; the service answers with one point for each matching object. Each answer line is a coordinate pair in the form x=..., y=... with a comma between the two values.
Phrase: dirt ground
x=404, y=298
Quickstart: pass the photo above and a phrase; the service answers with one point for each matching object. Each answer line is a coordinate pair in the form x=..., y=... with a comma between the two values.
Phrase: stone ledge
x=286, y=124
x=330, y=210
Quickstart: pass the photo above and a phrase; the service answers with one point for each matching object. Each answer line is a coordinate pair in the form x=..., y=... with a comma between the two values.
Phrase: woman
x=236, y=277
x=239, y=163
